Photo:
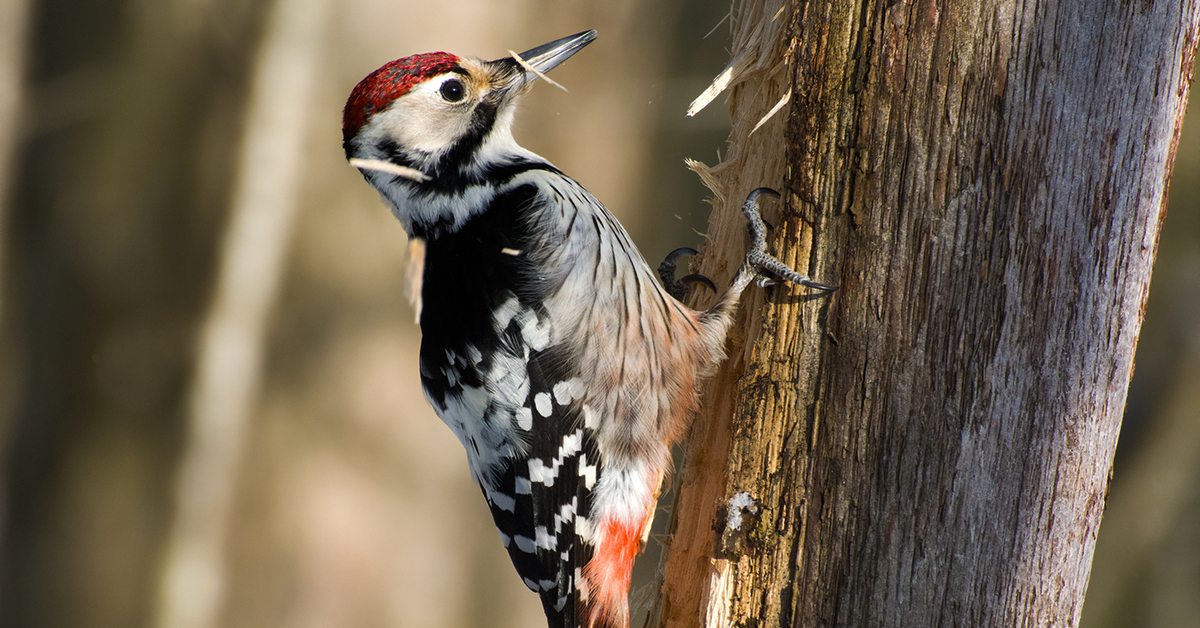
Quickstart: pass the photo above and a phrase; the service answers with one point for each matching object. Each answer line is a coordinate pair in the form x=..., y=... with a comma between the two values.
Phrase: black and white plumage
x=548, y=346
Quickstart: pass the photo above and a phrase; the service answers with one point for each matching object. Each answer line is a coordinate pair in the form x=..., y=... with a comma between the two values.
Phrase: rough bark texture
x=931, y=445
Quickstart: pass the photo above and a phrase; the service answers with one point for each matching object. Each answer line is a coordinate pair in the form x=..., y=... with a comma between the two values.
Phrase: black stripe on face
x=447, y=173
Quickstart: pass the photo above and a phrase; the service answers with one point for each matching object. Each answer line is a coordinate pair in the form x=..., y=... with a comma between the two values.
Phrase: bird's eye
x=453, y=90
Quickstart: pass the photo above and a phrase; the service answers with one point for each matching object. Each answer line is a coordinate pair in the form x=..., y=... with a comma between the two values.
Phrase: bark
x=931, y=445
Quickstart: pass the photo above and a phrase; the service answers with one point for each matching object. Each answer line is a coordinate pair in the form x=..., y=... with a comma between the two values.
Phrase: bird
x=549, y=348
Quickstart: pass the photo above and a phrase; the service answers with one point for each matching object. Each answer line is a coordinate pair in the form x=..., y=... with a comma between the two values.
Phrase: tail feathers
x=598, y=594
x=606, y=577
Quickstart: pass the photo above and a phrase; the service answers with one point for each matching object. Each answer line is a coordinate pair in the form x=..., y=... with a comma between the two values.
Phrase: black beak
x=545, y=57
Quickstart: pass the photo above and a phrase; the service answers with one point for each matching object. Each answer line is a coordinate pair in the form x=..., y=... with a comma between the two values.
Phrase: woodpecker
x=548, y=347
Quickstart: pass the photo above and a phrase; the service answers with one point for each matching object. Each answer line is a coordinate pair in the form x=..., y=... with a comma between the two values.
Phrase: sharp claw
x=757, y=192
x=819, y=286
x=678, y=288
x=764, y=281
x=700, y=279
x=758, y=258
x=678, y=253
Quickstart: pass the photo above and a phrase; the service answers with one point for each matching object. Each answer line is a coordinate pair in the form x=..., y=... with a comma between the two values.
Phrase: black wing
x=492, y=372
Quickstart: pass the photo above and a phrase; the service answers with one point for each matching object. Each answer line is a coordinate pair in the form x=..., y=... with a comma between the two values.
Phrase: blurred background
x=209, y=405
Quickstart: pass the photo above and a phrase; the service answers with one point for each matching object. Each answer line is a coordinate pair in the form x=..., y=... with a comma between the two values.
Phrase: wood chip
x=530, y=68
x=390, y=168
x=774, y=110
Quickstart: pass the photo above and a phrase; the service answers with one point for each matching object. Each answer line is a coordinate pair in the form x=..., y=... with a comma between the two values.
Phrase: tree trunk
x=931, y=444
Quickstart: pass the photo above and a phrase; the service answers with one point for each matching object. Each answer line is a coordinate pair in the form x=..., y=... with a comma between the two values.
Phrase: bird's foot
x=757, y=258
x=678, y=288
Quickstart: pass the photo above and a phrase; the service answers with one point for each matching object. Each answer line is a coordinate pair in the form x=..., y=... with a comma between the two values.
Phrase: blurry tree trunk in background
x=232, y=343
x=120, y=186
x=930, y=445
x=13, y=31
x=13, y=22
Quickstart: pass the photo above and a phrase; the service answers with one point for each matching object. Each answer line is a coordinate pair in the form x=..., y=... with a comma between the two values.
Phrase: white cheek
x=424, y=123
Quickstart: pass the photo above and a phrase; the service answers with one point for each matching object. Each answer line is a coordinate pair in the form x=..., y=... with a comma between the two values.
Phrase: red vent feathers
x=385, y=85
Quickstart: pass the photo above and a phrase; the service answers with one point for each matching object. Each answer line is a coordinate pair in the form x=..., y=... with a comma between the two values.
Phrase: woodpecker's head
x=441, y=121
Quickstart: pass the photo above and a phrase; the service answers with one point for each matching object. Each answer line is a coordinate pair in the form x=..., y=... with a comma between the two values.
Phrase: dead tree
x=931, y=445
